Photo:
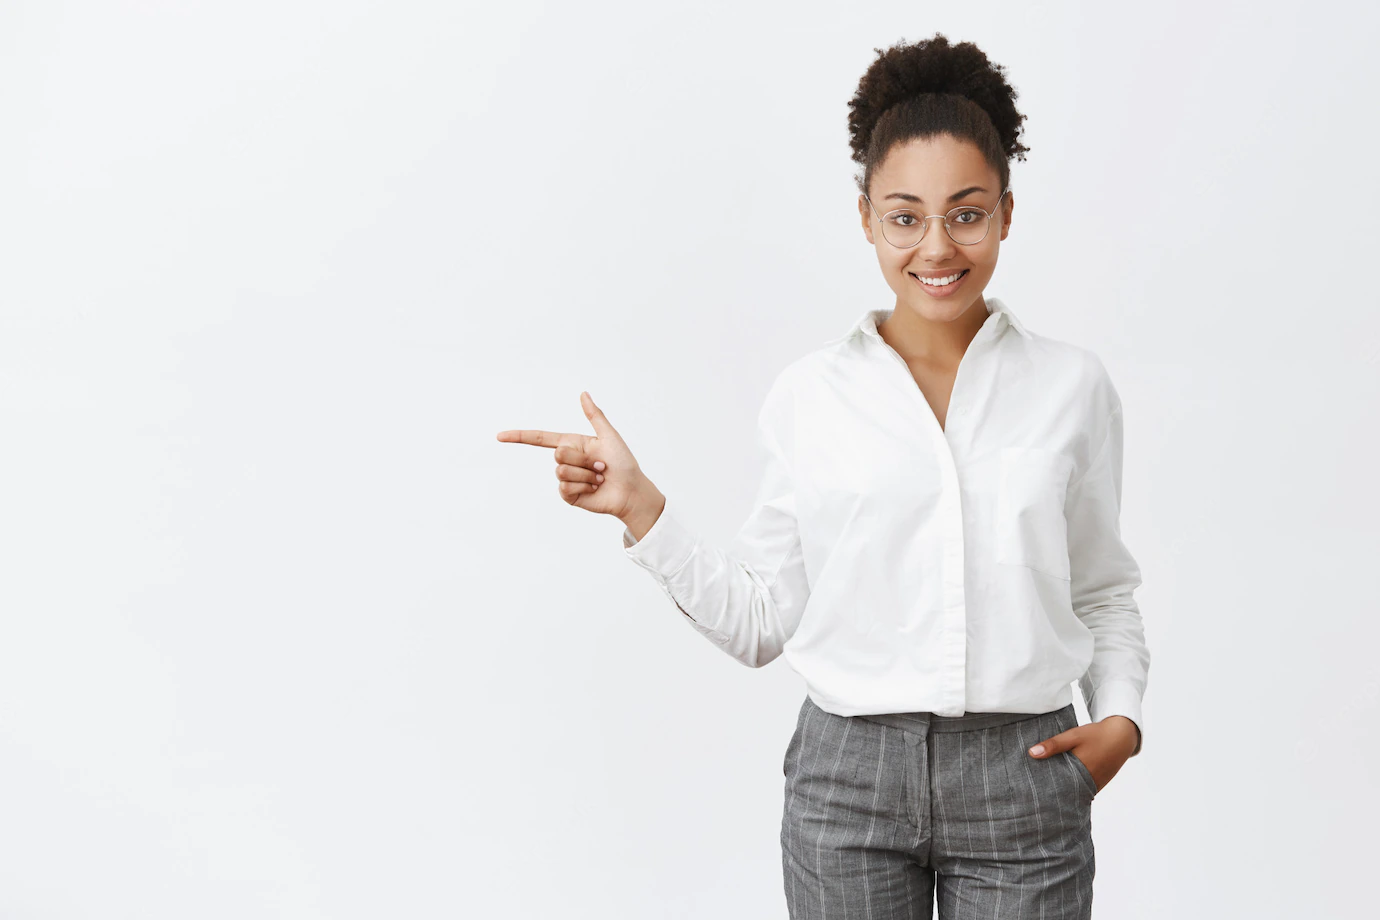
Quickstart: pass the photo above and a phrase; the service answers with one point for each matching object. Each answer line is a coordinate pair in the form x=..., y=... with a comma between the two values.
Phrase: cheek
x=894, y=265
x=982, y=264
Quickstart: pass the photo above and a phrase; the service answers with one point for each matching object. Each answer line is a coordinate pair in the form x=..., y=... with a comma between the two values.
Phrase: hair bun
x=916, y=90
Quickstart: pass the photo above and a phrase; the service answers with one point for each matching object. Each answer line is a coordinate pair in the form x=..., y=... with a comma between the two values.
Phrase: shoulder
x=784, y=388
x=1080, y=369
x=1074, y=379
x=815, y=364
x=796, y=386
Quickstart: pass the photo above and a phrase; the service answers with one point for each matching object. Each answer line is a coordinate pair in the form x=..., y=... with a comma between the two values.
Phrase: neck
x=937, y=342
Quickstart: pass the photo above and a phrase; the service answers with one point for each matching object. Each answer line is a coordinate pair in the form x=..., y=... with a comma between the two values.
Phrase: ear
x=866, y=212
x=1008, y=205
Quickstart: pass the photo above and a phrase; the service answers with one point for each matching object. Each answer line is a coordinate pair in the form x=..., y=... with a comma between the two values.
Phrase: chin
x=943, y=311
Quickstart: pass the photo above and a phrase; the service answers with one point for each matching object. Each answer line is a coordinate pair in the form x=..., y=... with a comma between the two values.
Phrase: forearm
x=747, y=598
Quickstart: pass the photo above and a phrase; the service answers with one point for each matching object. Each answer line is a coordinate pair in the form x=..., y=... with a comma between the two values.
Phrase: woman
x=935, y=545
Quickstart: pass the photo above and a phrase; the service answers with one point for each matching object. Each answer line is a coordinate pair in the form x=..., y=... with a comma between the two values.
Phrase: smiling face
x=934, y=176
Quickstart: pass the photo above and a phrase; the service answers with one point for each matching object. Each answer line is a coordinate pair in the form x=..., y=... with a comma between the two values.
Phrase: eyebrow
x=906, y=196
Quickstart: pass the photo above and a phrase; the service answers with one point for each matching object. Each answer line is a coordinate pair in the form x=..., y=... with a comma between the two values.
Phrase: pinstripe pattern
x=887, y=816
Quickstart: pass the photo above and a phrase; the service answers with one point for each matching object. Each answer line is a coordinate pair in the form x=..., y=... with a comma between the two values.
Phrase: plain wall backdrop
x=286, y=632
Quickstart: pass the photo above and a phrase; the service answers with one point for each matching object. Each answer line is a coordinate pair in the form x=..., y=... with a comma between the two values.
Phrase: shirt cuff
x=1118, y=698
x=665, y=548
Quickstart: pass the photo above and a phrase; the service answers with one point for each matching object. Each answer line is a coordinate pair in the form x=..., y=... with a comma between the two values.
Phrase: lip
x=944, y=291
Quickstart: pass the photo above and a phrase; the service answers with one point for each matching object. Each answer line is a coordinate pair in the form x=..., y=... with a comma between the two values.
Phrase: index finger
x=531, y=436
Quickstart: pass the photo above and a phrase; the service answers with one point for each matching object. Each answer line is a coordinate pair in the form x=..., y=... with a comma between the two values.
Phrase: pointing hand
x=596, y=472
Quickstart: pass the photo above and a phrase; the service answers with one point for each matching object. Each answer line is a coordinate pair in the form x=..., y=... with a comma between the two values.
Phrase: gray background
x=285, y=631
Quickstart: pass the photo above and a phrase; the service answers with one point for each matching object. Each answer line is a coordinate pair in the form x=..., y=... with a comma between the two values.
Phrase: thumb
x=1052, y=745
x=602, y=427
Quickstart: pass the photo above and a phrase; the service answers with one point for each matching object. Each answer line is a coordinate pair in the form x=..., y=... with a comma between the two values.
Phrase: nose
x=935, y=244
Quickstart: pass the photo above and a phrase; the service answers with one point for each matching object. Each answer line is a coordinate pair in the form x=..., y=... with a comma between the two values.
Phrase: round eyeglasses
x=966, y=225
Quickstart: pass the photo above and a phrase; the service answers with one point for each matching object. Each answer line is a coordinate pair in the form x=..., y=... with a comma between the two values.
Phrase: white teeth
x=940, y=282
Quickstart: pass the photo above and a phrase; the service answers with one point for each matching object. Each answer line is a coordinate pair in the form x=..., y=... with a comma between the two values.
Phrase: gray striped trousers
x=885, y=815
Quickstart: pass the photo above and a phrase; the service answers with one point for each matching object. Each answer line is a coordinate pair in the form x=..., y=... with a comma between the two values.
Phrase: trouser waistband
x=923, y=722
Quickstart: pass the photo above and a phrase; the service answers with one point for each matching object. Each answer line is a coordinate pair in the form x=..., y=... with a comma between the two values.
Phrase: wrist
x=1127, y=727
x=643, y=512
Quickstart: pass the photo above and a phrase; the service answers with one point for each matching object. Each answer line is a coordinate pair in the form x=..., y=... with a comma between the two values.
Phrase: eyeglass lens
x=904, y=228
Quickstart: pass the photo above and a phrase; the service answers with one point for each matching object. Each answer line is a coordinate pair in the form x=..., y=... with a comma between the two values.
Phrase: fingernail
x=598, y=464
x=1038, y=749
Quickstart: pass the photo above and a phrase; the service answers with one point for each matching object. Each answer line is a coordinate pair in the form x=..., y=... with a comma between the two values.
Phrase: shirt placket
x=953, y=679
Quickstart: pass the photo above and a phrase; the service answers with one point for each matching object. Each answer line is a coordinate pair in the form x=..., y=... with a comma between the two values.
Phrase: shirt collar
x=867, y=323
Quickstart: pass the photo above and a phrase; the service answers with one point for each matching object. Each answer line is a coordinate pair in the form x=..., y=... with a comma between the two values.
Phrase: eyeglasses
x=966, y=225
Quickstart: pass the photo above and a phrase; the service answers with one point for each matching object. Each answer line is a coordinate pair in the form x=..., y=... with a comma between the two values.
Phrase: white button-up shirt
x=901, y=567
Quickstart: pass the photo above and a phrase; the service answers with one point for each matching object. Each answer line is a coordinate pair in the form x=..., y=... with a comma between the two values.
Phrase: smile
x=940, y=290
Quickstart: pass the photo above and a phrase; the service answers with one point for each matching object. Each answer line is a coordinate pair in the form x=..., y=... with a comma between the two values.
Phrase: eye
x=901, y=217
x=971, y=213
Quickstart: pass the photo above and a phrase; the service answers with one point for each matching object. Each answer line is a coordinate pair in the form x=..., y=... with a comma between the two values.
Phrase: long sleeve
x=748, y=599
x=1104, y=577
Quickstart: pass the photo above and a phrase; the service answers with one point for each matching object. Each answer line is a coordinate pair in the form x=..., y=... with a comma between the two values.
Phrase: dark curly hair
x=915, y=91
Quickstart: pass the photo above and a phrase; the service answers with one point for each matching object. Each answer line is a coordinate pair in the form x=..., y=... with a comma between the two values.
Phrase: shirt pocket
x=1031, y=528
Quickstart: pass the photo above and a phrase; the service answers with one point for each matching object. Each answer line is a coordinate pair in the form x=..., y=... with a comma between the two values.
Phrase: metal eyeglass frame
x=926, y=221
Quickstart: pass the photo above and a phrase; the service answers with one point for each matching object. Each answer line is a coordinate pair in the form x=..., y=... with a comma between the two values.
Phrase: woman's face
x=935, y=176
